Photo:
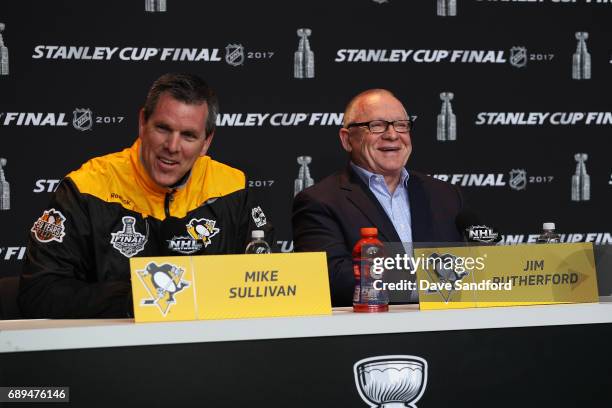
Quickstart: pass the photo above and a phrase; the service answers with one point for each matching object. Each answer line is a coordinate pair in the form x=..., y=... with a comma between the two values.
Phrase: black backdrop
x=43, y=80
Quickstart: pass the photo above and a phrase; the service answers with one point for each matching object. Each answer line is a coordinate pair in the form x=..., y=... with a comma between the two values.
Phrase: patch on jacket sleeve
x=202, y=229
x=258, y=216
x=50, y=226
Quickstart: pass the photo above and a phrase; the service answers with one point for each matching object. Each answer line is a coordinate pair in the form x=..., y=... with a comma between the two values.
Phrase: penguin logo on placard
x=162, y=282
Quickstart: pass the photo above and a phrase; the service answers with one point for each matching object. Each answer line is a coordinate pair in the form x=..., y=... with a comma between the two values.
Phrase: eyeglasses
x=381, y=126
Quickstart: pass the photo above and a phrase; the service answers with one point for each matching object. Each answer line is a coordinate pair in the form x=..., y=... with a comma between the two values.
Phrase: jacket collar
x=144, y=180
x=420, y=207
x=361, y=196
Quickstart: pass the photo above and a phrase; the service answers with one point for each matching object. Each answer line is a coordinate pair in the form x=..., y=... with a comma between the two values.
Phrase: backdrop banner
x=511, y=98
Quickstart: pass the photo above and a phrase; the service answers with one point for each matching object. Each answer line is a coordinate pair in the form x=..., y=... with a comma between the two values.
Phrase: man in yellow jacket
x=161, y=196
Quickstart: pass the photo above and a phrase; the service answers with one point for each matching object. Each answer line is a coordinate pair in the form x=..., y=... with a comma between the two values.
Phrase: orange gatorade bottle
x=367, y=298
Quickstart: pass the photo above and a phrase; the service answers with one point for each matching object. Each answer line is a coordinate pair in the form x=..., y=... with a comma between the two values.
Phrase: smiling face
x=381, y=153
x=172, y=139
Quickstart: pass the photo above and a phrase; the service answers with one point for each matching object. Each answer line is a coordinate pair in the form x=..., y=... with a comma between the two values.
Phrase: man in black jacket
x=374, y=190
x=161, y=196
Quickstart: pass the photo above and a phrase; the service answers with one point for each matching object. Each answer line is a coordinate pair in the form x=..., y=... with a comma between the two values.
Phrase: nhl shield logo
x=518, y=179
x=234, y=54
x=82, y=119
x=518, y=57
x=162, y=282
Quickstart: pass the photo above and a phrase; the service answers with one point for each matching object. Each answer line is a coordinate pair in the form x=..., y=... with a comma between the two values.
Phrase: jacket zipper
x=167, y=200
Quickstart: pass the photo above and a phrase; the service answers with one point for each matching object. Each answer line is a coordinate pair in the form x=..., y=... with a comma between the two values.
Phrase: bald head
x=384, y=152
x=360, y=105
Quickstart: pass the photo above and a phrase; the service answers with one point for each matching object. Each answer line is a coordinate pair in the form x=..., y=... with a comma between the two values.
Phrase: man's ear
x=344, y=139
x=207, y=143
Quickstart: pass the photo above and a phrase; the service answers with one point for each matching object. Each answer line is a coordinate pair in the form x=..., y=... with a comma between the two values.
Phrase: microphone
x=473, y=230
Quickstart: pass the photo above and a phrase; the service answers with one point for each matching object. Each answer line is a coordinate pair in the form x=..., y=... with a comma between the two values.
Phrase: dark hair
x=186, y=88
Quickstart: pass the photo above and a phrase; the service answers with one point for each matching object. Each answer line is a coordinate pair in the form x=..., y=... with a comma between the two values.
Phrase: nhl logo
x=481, y=233
x=234, y=54
x=82, y=119
x=518, y=57
x=518, y=179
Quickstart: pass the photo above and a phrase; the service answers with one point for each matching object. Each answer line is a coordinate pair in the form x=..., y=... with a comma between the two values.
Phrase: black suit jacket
x=327, y=217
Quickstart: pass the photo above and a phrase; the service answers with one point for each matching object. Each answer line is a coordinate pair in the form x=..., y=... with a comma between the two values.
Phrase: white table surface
x=38, y=335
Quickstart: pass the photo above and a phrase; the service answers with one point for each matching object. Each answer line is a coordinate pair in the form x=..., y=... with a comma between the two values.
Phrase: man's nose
x=172, y=142
x=390, y=133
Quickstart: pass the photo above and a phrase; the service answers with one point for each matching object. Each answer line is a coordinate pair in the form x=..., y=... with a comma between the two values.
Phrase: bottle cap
x=257, y=234
x=367, y=232
x=548, y=226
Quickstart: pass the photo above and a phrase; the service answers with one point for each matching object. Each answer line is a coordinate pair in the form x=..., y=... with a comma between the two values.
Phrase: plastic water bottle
x=548, y=235
x=257, y=245
x=366, y=298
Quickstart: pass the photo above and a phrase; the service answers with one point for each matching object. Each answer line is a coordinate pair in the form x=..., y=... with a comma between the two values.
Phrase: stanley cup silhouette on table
x=447, y=8
x=155, y=5
x=303, y=180
x=4, y=57
x=447, y=122
x=303, y=60
x=581, y=182
x=391, y=381
x=5, y=189
x=581, y=61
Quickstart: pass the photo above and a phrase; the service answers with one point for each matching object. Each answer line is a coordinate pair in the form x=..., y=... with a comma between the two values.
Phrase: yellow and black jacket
x=77, y=262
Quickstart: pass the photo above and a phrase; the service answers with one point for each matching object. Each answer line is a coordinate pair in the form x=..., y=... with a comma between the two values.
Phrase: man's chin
x=165, y=182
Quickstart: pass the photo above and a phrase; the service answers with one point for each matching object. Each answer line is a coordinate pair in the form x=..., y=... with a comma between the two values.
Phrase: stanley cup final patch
x=50, y=226
x=128, y=241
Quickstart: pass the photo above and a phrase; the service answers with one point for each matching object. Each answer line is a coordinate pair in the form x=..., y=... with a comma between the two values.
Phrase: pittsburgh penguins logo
x=202, y=229
x=162, y=282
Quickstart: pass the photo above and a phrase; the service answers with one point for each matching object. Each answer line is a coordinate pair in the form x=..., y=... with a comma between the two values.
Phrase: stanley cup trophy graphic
x=303, y=61
x=581, y=182
x=581, y=62
x=5, y=189
x=155, y=5
x=391, y=381
x=447, y=8
x=4, y=58
x=447, y=122
x=303, y=180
